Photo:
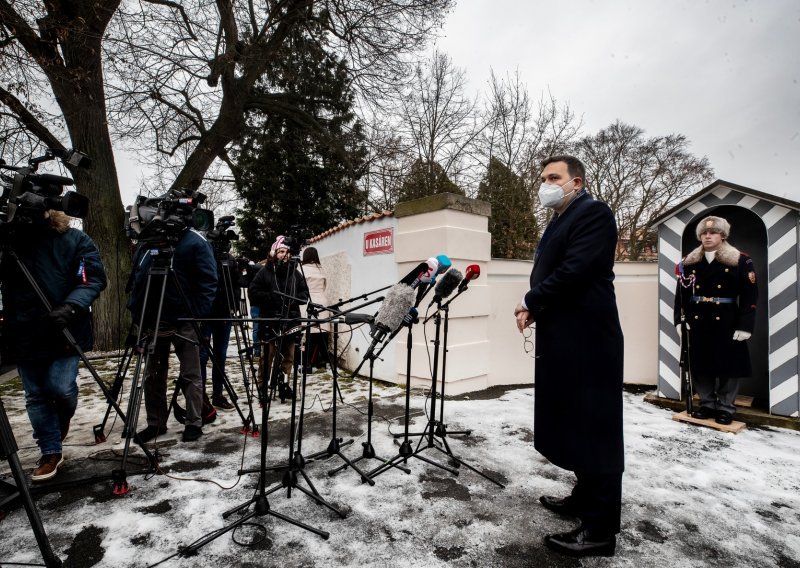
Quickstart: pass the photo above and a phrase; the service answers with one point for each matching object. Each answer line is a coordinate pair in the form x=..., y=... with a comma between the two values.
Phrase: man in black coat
x=66, y=265
x=579, y=357
x=716, y=297
x=188, y=295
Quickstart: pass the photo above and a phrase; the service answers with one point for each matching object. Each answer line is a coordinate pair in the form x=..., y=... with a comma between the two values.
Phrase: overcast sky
x=725, y=73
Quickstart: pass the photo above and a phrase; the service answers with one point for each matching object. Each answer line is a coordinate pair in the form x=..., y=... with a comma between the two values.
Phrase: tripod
x=260, y=501
x=8, y=451
x=111, y=398
x=437, y=429
x=406, y=451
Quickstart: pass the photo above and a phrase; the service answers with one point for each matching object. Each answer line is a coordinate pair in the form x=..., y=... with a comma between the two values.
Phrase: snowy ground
x=691, y=496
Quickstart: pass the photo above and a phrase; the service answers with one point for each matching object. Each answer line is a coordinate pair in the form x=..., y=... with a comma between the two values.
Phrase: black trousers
x=598, y=501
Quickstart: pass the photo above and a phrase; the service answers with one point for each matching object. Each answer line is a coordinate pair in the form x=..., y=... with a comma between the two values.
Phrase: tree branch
x=25, y=117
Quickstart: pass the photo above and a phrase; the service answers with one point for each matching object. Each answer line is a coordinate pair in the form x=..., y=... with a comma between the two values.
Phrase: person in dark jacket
x=66, y=264
x=218, y=333
x=278, y=290
x=195, y=271
x=716, y=297
x=579, y=357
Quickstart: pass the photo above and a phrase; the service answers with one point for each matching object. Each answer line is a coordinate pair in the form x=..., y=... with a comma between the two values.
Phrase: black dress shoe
x=724, y=417
x=148, y=434
x=581, y=542
x=222, y=403
x=703, y=413
x=560, y=505
x=192, y=433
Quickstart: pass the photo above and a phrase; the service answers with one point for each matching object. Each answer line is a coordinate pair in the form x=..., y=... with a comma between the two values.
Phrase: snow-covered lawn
x=691, y=496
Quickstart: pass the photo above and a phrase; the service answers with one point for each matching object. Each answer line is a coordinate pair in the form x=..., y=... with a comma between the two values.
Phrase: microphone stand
x=406, y=451
x=438, y=429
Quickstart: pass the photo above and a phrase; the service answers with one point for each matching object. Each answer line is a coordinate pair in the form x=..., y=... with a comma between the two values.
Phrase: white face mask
x=551, y=195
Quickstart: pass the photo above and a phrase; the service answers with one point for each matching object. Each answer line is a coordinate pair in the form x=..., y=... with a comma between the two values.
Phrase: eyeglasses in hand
x=527, y=342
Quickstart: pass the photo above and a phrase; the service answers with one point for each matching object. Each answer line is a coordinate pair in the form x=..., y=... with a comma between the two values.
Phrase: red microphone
x=473, y=271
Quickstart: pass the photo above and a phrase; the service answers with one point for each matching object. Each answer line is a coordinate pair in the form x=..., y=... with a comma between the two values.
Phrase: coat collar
x=726, y=254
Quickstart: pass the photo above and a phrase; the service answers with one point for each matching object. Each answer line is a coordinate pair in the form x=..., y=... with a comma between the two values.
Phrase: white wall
x=350, y=274
x=485, y=348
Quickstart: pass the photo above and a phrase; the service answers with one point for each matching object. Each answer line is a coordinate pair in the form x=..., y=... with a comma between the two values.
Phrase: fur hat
x=278, y=245
x=715, y=225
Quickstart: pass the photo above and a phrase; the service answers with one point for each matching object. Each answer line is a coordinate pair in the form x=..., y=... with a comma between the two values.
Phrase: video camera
x=294, y=240
x=26, y=195
x=165, y=218
x=221, y=236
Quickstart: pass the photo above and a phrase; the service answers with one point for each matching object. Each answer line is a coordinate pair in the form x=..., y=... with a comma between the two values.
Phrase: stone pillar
x=458, y=227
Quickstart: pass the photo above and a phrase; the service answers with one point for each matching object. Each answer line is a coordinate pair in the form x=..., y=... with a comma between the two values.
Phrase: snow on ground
x=691, y=496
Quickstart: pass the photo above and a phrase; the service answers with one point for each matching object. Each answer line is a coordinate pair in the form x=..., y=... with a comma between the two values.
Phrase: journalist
x=189, y=294
x=66, y=264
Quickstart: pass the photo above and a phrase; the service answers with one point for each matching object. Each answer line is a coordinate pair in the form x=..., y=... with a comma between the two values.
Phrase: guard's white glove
x=740, y=335
x=678, y=326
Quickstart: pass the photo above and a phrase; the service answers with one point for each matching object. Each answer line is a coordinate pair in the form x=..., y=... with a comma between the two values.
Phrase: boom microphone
x=473, y=271
x=399, y=300
x=446, y=285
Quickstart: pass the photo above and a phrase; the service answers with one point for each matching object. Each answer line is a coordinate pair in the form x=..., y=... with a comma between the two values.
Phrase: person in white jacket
x=317, y=281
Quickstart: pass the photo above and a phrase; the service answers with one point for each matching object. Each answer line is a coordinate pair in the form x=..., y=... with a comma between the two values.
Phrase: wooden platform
x=734, y=426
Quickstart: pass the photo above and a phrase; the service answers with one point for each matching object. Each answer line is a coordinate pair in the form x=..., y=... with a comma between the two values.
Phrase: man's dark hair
x=310, y=255
x=574, y=165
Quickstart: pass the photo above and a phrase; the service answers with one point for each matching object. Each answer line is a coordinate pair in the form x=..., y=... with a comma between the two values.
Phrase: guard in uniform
x=716, y=297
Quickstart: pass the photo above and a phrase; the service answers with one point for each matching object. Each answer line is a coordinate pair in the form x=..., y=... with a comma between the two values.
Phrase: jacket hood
x=59, y=220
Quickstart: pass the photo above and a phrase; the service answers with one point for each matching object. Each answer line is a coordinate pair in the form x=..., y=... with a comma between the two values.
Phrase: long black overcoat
x=579, y=343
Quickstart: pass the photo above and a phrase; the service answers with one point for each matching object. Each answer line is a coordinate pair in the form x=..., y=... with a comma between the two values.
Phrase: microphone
x=473, y=271
x=446, y=285
x=431, y=268
x=415, y=273
x=444, y=264
x=351, y=318
x=398, y=301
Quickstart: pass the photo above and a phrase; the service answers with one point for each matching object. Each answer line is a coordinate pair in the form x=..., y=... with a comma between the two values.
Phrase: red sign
x=379, y=242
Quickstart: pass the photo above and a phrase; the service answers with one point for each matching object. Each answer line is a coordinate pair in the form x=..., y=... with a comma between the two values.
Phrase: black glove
x=62, y=316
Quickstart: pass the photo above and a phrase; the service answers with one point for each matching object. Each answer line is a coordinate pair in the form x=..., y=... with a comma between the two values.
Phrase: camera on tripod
x=163, y=219
x=221, y=236
x=294, y=240
x=25, y=195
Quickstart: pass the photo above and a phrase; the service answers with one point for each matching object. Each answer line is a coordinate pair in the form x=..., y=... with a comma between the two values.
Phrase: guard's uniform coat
x=579, y=344
x=713, y=352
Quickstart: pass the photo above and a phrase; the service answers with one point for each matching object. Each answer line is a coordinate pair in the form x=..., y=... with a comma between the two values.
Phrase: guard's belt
x=702, y=299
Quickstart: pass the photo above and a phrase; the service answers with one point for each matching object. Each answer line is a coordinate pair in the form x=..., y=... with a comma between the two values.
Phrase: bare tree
x=440, y=121
x=180, y=80
x=640, y=178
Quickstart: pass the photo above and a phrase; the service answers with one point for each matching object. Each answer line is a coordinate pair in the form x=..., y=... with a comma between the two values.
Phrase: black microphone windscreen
x=352, y=318
x=414, y=274
x=398, y=301
x=448, y=283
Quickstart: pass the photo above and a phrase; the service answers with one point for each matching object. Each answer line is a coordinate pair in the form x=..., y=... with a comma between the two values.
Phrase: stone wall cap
x=441, y=201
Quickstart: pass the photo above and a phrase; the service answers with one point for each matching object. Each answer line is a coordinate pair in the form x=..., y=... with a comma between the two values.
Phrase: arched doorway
x=749, y=235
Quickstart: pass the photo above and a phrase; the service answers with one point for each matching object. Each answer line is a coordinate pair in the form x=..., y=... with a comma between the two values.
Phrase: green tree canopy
x=426, y=178
x=297, y=170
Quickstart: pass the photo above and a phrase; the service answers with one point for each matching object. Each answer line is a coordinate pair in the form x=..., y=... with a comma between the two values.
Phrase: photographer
x=188, y=294
x=278, y=290
x=66, y=264
x=225, y=305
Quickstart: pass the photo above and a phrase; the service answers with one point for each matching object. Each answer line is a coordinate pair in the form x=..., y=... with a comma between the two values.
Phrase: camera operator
x=66, y=264
x=218, y=333
x=278, y=290
x=195, y=272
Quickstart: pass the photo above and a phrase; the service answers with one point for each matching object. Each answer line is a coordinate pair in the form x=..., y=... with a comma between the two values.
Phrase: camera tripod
x=8, y=451
x=147, y=346
x=110, y=397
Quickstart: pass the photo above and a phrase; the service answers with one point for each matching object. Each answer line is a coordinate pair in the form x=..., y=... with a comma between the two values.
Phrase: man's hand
x=62, y=316
x=740, y=335
x=523, y=317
